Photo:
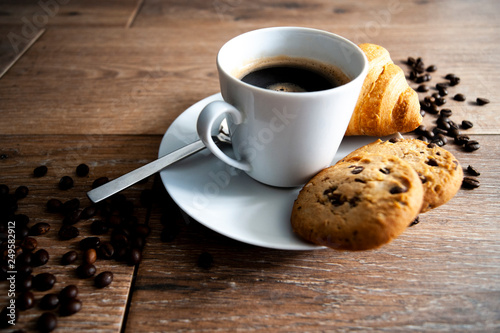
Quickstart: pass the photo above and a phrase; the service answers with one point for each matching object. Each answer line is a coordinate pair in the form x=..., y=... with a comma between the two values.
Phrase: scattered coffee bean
x=439, y=141
x=134, y=257
x=90, y=256
x=423, y=88
x=98, y=227
x=25, y=283
x=450, y=76
x=445, y=113
x=470, y=183
x=25, y=300
x=44, y=281
x=472, y=145
x=454, y=81
x=40, y=258
x=85, y=271
x=82, y=170
x=472, y=171
x=70, y=307
x=72, y=218
x=69, y=258
x=439, y=130
x=482, y=101
x=40, y=171
x=49, y=302
x=459, y=97
x=90, y=243
x=100, y=181
x=47, y=322
x=65, y=183
x=54, y=205
x=431, y=68
x=461, y=139
x=29, y=243
x=70, y=206
x=466, y=124
x=103, y=279
x=68, y=232
x=440, y=101
x=68, y=292
x=4, y=190
x=40, y=228
x=411, y=61
x=88, y=212
x=21, y=192
x=106, y=251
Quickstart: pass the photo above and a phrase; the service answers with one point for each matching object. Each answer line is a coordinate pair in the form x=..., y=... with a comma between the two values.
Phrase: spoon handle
x=104, y=191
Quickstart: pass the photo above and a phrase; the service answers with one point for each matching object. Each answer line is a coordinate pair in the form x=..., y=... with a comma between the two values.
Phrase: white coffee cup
x=283, y=138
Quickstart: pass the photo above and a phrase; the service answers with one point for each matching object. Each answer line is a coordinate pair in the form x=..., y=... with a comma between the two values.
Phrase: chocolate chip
x=432, y=162
x=40, y=171
x=470, y=183
x=459, y=97
x=357, y=170
x=422, y=177
x=482, y=101
x=473, y=171
x=103, y=279
x=398, y=189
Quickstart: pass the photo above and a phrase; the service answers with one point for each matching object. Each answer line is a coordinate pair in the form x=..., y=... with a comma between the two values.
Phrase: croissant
x=386, y=104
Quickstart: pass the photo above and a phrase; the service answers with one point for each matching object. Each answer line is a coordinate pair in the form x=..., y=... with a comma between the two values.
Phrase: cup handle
x=205, y=123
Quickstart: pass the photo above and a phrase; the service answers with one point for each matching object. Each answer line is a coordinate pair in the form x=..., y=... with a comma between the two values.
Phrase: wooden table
x=99, y=82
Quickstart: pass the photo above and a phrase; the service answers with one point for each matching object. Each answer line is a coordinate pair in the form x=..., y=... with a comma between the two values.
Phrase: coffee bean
x=445, y=113
x=472, y=145
x=482, y=101
x=49, y=302
x=453, y=132
x=68, y=232
x=70, y=306
x=411, y=61
x=466, y=124
x=142, y=230
x=68, y=292
x=85, y=271
x=25, y=258
x=40, y=171
x=470, y=183
x=88, y=212
x=70, y=206
x=82, y=170
x=21, y=192
x=431, y=68
x=29, y=244
x=40, y=228
x=90, y=243
x=422, y=138
x=44, y=281
x=461, y=139
x=439, y=130
x=439, y=141
x=423, y=88
x=440, y=101
x=100, y=181
x=106, y=251
x=472, y=171
x=65, y=183
x=72, y=218
x=443, y=124
x=449, y=76
x=103, y=279
x=459, y=97
x=90, y=256
x=47, y=322
x=205, y=260
x=69, y=258
x=25, y=300
x=54, y=205
x=40, y=258
x=98, y=227
x=134, y=257
x=454, y=81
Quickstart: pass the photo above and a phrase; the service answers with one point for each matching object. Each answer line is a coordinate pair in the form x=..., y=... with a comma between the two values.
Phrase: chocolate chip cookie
x=439, y=171
x=360, y=203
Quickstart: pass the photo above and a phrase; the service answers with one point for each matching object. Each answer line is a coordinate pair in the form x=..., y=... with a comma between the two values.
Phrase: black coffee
x=294, y=75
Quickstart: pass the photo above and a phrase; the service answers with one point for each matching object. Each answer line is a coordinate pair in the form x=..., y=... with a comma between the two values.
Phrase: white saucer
x=225, y=199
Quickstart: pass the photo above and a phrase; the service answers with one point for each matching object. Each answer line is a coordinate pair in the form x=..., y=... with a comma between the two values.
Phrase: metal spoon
x=104, y=191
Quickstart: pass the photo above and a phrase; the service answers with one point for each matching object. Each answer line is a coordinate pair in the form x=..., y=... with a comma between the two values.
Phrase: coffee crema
x=290, y=74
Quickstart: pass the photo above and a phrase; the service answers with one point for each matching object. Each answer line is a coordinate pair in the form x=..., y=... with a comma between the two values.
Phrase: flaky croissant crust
x=386, y=104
